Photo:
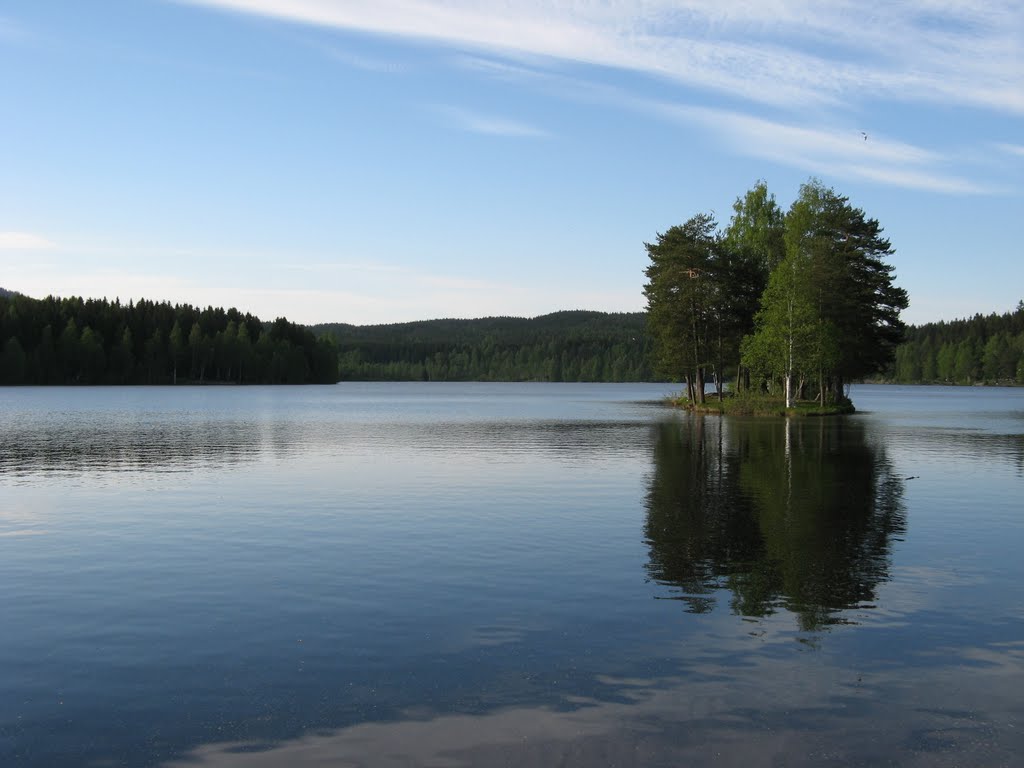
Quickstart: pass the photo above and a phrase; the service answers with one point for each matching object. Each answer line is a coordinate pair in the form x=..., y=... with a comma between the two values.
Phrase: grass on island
x=759, y=404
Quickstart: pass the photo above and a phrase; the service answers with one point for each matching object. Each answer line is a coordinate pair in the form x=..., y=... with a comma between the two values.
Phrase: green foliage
x=757, y=228
x=102, y=342
x=703, y=288
x=798, y=298
x=850, y=281
x=683, y=283
x=792, y=338
x=831, y=312
x=12, y=363
x=564, y=346
x=983, y=349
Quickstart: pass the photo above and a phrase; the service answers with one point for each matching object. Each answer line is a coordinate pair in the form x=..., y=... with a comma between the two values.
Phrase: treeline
x=797, y=303
x=983, y=349
x=563, y=346
x=95, y=341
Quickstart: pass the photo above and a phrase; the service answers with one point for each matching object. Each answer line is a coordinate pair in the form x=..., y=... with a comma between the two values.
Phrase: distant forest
x=981, y=350
x=95, y=341
x=77, y=341
x=563, y=346
x=595, y=346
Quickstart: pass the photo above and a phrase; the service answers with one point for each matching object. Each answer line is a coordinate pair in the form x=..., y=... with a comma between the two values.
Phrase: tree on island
x=683, y=307
x=828, y=314
x=791, y=338
x=754, y=245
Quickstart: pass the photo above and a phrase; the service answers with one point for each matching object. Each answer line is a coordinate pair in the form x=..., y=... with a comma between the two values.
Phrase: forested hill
x=983, y=349
x=76, y=341
x=94, y=341
x=563, y=346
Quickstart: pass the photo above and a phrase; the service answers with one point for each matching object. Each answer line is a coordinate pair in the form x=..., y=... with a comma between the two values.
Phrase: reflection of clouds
x=929, y=578
x=955, y=446
x=568, y=439
x=931, y=717
x=499, y=634
x=175, y=442
x=22, y=532
x=170, y=429
x=109, y=446
x=912, y=590
x=1007, y=657
x=482, y=622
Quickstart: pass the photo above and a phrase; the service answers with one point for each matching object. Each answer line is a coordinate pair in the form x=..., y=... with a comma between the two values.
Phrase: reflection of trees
x=698, y=527
x=796, y=513
x=92, y=445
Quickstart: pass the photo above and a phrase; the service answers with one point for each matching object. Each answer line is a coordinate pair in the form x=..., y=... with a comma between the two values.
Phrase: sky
x=378, y=161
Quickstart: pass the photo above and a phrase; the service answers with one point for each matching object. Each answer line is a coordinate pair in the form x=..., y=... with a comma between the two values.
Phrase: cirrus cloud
x=24, y=241
x=799, y=52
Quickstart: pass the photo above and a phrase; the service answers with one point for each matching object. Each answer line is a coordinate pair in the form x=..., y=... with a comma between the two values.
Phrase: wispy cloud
x=1013, y=149
x=24, y=241
x=820, y=62
x=10, y=29
x=475, y=122
x=364, y=63
x=799, y=52
x=499, y=70
x=342, y=267
x=356, y=290
x=833, y=151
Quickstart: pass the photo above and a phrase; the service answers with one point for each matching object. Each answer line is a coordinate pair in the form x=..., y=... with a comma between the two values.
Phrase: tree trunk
x=837, y=389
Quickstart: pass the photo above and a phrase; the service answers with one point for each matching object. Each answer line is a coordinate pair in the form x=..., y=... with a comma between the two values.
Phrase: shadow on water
x=798, y=515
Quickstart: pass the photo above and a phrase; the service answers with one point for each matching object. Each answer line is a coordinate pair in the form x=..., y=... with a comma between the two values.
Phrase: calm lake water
x=499, y=574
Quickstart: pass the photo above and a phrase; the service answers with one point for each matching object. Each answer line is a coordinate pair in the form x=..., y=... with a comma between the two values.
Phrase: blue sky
x=391, y=160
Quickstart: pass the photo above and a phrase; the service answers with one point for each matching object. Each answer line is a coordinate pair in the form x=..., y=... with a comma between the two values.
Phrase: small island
x=790, y=307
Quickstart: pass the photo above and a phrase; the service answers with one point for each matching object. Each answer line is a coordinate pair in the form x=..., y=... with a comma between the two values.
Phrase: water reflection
x=798, y=515
x=359, y=579
x=91, y=445
x=173, y=441
x=712, y=716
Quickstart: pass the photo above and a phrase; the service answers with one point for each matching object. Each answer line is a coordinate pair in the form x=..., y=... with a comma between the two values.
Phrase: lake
x=508, y=574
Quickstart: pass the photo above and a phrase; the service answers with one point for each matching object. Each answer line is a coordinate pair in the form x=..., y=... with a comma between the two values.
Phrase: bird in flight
x=864, y=135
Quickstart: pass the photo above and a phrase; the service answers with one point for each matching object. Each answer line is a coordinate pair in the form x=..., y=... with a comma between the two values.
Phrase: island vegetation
x=790, y=306
x=95, y=341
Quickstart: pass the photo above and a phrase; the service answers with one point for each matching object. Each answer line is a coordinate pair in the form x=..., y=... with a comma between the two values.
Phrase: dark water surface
x=497, y=574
